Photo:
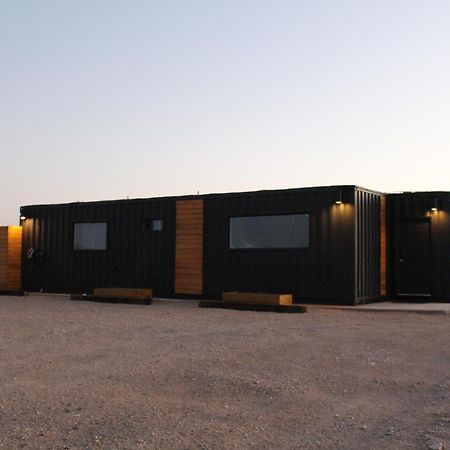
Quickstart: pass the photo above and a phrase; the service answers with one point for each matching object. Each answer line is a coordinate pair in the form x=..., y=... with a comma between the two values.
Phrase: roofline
x=443, y=193
x=234, y=193
x=192, y=196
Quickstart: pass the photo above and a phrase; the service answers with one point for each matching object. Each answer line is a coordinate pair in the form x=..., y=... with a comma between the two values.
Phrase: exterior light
x=435, y=206
x=22, y=217
x=338, y=199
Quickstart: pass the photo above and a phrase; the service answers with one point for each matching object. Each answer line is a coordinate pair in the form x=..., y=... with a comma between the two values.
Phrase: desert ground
x=81, y=375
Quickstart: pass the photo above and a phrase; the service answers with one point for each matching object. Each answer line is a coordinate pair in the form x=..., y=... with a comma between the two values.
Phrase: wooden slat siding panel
x=14, y=258
x=10, y=258
x=383, y=247
x=189, y=247
x=3, y=258
x=190, y=205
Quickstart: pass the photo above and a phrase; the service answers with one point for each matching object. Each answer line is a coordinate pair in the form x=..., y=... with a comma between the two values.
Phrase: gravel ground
x=84, y=375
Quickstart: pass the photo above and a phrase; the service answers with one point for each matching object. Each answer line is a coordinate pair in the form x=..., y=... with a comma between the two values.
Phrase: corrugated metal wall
x=324, y=272
x=342, y=263
x=134, y=258
x=417, y=205
x=368, y=249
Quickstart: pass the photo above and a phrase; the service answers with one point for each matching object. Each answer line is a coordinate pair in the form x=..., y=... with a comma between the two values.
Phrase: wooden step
x=108, y=299
x=123, y=293
x=257, y=298
x=253, y=306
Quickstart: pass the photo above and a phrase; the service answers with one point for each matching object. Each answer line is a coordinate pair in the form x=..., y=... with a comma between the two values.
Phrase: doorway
x=413, y=258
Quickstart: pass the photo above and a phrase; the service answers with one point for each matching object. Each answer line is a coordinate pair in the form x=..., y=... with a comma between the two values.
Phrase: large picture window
x=90, y=236
x=266, y=232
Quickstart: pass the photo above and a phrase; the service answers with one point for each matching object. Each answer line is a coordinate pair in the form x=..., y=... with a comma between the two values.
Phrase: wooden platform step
x=111, y=299
x=123, y=292
x=253, y=306
x=257, y=298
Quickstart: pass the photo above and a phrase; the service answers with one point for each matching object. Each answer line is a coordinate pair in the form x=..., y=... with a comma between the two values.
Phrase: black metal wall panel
x=418, y=206
x=368, y=250
x=341, y=264
x=323, y=272
x=134, y=257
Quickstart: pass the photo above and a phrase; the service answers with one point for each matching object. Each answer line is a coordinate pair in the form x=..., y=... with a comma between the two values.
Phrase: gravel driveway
x=81, y=375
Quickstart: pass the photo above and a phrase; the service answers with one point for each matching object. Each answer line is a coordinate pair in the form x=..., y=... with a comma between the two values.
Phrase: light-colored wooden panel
x=14, y=258
x=189, y=247
x=10, y=258
x=4, y=259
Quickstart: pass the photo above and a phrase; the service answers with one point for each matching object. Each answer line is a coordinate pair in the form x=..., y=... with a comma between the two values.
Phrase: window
x=266, y=232
x=90, y=236
x=152, y=225
x=157, y=225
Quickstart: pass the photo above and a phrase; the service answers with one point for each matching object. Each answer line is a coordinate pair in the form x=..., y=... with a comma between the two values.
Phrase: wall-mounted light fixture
x=435, y=206
x=22, y=217
x=338, y=200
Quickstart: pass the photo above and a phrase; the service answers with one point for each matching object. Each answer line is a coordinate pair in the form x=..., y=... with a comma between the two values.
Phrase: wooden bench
x=123, y=292
x=252, y=307
x=253, y=301
x=131, y=296
x=257, y=298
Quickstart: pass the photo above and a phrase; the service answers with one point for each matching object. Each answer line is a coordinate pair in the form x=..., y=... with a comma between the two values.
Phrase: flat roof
x=233, y=193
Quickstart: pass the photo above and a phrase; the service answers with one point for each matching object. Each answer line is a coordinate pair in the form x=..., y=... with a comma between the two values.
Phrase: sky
x=141, y=98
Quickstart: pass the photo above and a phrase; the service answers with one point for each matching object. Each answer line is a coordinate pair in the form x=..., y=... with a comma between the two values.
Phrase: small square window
x=157, y=225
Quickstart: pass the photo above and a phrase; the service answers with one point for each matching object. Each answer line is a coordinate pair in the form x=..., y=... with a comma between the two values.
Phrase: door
x=413, y=258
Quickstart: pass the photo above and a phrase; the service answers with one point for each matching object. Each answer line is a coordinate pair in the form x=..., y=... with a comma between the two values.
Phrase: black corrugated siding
x=418, y=205
x=367, y=245
x=134, y=257
x=324, y=272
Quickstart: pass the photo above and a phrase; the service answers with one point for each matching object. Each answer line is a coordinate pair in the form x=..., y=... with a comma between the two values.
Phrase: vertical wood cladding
x=383, y=247
x=4, y=259
x=189, y=247
x=10, y=258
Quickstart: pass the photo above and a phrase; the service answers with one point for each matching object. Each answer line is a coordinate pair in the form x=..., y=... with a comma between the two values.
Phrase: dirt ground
x=81, y=375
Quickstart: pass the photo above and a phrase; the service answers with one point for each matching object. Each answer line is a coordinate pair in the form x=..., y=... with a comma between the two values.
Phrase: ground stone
x=437, y=446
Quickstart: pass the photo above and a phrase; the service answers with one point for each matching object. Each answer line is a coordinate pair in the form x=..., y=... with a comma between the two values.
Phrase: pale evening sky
x=108, y=99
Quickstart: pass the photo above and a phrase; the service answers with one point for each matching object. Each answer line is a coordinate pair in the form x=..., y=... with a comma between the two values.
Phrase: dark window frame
x=270, y=249
x=147, y=225
x=90, y=250
x=153, y=225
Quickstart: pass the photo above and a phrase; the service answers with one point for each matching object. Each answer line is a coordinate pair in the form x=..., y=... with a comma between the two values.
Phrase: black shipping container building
x=338, y=244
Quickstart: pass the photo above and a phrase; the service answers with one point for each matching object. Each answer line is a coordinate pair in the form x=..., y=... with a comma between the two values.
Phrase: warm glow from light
x=434, y=209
